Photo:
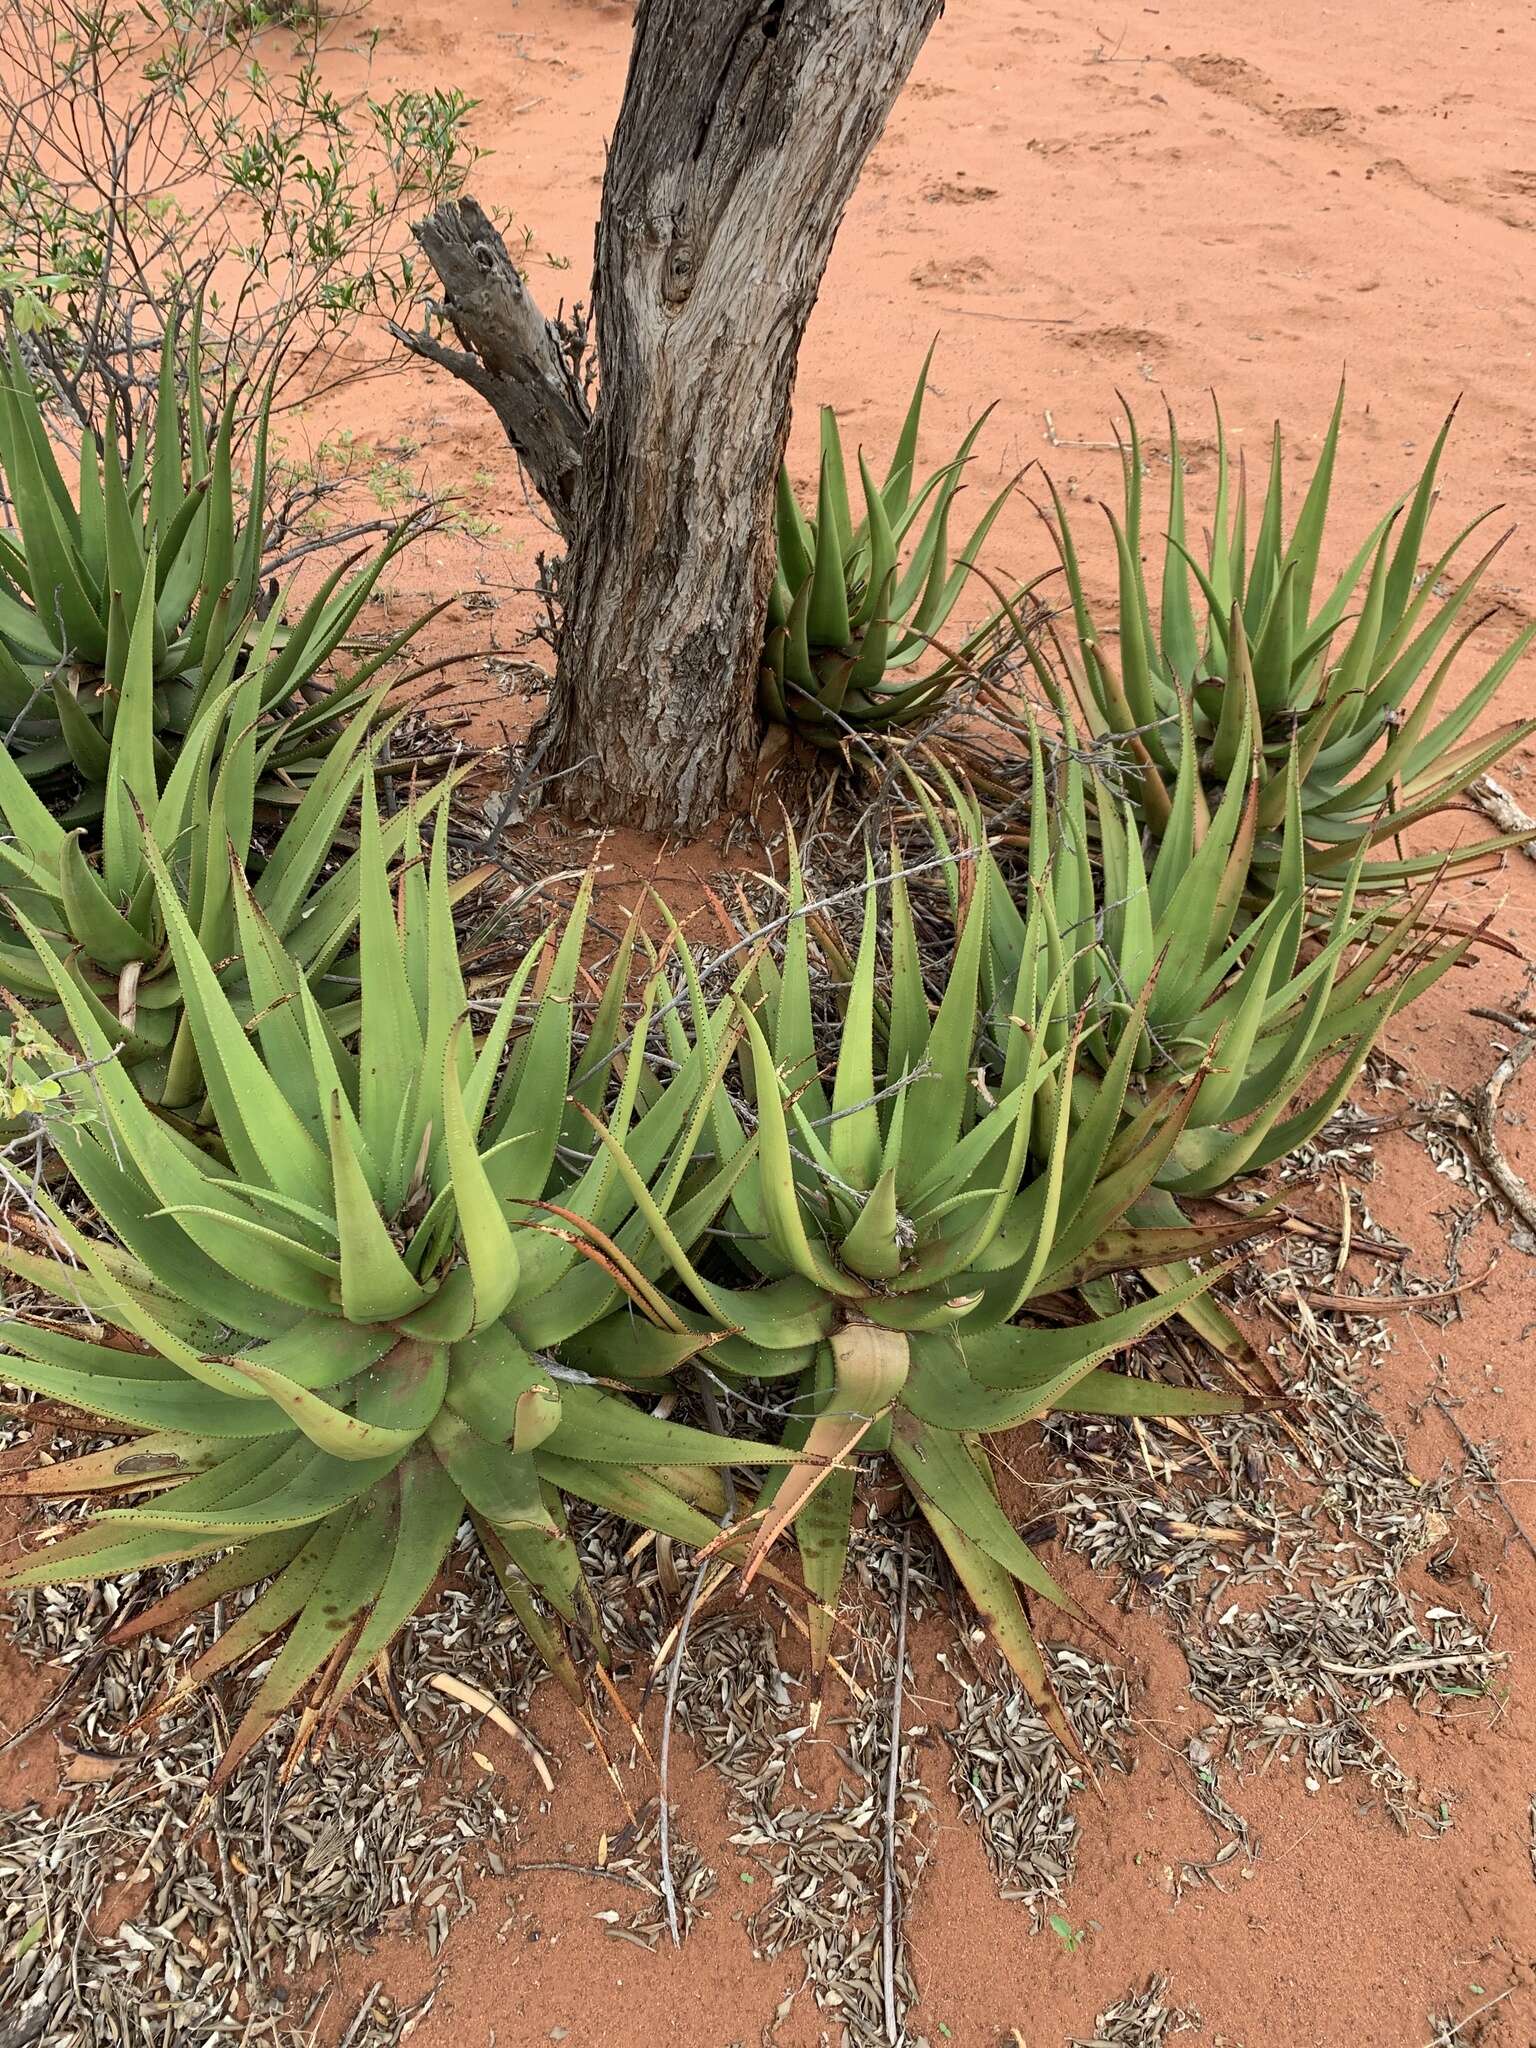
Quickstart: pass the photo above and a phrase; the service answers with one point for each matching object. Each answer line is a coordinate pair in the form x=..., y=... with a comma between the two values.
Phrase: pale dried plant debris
x=224, y=1909
x=1275, y=1543
x=1015, y=1782
x=1142, y=2019
x=819, y=1860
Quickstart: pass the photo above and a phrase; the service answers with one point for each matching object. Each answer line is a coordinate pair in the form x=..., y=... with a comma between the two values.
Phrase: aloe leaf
x=498, y=1482
x=897, y=488
x=376, y=1283
x=1180, y=642
x=268, y=1141
x=349, y=1584
x=390, y=1048
x=939, y=1468
x=489, y=1246
x=827, y=620
x=424, y=1526
x=310, y=1552
x=995, y=1596
x=868, y=1368
x=781, y=1202
x=263, y=1557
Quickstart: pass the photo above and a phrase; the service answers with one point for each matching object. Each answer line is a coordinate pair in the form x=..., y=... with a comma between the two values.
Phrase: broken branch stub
x=512, y=355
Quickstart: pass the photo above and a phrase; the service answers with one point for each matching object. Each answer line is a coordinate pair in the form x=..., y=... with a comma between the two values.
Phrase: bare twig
x=360, y=2017
x=472, y=1696
x=1487, y=1478
x=668, y=1713
x=892, y=1786
x=1445, y=2032
x=1499, y=1171
x=1383, y=1304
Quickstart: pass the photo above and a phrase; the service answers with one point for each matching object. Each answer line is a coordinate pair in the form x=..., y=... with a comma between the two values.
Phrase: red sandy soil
x=1149, y=200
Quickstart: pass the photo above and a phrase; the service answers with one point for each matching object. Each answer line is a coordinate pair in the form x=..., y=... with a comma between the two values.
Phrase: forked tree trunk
x=743, y=130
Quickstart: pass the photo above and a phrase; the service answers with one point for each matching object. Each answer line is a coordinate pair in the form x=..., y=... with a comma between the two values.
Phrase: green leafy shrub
x=1348, y=684
x=155, y=157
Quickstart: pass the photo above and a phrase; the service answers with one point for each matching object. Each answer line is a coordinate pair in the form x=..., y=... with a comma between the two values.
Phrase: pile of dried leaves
x=139, y=1913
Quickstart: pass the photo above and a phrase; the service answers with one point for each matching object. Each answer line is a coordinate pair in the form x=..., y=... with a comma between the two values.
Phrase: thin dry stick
x=1450, y=2033
x=1500, y=1172
x=471, y=1696
x=892, y=1785
x=1488, y=1479
x=669, y=1710
x=361, y=2016
x=1381, y=1304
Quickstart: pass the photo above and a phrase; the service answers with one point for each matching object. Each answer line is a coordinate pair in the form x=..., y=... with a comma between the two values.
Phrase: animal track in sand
x=1234, y=78
x=1117, y=340
x=955, y=192
x=1311, y=120
x=953, y=276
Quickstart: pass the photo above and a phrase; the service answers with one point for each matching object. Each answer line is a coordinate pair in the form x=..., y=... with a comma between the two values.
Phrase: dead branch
x=1495, y=802
x=1499, y=1171
x=510, y=354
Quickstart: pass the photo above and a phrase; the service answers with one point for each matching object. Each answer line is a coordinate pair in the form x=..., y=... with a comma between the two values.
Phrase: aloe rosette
x=163, y=515
x=335, y=1330
x=856, y=616
x=1254, y=989
x=205, y=815
x=893, y=1229
x=1168, y=940
x=1348, y=680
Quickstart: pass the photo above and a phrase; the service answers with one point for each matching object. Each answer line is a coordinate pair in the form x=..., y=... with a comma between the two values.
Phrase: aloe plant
x=164, y=515
x=1256, y=990
x=1166, y=942
x=856, y=618
x=334, y=1332
x=201, y=814
x=1347, y=679
x=893, y=1229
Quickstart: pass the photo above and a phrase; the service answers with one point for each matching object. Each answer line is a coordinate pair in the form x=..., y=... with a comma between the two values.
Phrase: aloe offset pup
x=853, y=614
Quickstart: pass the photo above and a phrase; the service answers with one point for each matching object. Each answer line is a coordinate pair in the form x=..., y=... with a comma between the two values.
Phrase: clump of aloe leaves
x=152, y=532
x=859, y=608
x=1342, y=688
x=347, y=1251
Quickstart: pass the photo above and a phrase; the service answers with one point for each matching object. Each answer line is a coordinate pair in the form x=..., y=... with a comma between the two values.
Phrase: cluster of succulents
x=346, y=1257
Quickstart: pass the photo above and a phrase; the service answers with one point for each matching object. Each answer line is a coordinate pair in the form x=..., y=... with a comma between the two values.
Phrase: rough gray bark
x=743, y=130
x=512, y=355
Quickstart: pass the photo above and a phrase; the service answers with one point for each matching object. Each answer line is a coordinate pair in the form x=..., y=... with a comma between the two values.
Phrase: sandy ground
x=1154, y=201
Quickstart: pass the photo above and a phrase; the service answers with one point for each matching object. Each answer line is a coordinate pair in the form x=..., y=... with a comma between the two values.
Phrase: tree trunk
x=744, y=127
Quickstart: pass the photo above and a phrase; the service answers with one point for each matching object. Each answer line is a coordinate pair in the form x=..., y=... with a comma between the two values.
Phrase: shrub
x=153, y=161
